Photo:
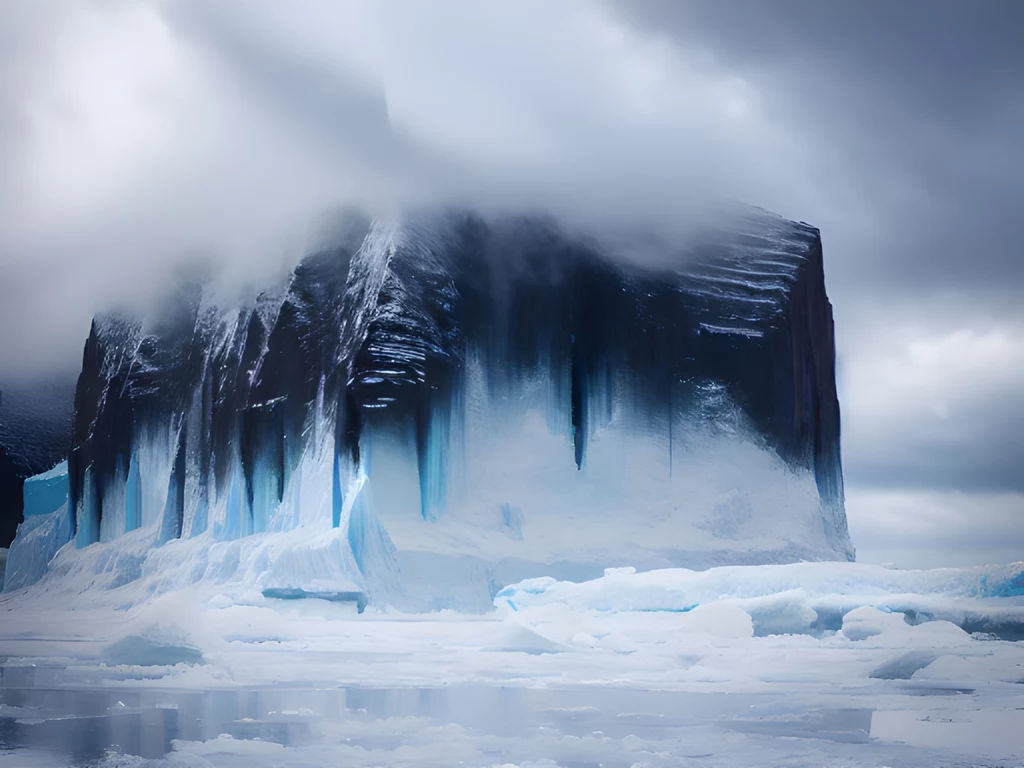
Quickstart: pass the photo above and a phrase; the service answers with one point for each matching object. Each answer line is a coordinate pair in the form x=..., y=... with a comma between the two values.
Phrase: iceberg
x=46, y=528
x=475, y=400
x=855, y=599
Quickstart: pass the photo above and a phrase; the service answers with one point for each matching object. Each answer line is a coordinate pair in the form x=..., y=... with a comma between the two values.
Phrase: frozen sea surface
x=803, y=665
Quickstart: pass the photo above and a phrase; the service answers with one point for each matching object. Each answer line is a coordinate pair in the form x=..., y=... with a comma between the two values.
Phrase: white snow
x=39, y=539
x=794, y=598
x=818, y=663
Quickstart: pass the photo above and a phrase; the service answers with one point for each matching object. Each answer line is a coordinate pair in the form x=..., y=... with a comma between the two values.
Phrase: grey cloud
x=935, y=406
x=929, y=529
x=25, y=37
x=576, y=151
x=343, y=113
x=949, y=60
x=921, y=101
x=980, y=448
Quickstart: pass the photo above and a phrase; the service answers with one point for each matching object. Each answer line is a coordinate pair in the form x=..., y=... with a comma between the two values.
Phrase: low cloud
x=934, y=529
x=145, y=131
x=936, y=408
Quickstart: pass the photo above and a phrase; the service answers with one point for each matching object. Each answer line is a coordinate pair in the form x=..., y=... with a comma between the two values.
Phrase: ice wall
x=46, y=492
x=47, y=527
x=520, y=398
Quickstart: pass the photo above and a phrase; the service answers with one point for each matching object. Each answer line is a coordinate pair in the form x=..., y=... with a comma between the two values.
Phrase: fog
x=142, y=133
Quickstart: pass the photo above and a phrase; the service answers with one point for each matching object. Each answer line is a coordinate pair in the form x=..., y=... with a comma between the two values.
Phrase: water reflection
x=85, y=723
x=40, y=712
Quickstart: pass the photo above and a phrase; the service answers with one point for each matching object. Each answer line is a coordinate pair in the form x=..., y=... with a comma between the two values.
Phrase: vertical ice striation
x=133, y=496
x=400, y=345
x=449, y=388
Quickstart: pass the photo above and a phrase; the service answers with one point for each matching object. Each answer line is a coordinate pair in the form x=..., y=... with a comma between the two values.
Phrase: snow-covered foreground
x=805, y=664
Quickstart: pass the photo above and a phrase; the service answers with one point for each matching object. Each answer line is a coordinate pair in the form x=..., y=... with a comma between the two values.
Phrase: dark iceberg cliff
x=443, y=358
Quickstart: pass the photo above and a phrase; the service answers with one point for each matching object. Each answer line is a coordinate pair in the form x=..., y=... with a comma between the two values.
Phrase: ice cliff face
x=459, y=393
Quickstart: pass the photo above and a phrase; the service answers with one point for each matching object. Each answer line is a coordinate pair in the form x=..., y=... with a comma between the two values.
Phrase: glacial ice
x=145, y=651
x=46, y=492
x=47, y=527
x=471, y=402
x=39, y=538
x=860, y=600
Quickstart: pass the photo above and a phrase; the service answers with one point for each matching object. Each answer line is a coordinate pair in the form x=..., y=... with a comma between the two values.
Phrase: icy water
x=806, y=665
x=43, y=723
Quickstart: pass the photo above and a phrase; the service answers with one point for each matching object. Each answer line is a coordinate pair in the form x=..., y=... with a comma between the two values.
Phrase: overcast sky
x=132, y=132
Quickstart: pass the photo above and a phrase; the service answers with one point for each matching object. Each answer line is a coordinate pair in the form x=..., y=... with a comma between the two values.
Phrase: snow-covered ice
x=802, y=664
